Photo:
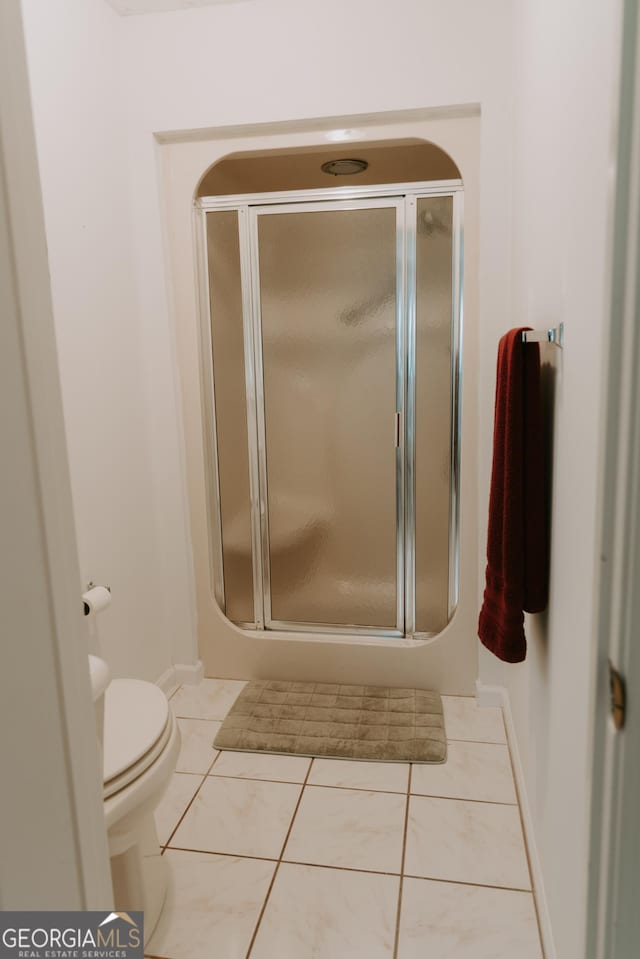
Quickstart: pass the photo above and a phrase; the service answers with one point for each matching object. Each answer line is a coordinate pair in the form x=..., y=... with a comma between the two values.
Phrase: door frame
x=52, y=832
x=406, y=194
x=613, y=918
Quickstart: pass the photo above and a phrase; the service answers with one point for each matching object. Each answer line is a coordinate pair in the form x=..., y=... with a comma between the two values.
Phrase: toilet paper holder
x=85, y=605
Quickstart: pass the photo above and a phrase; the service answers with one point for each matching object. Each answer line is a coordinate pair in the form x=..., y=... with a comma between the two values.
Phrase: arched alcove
x=275, y=171
x=331, y=313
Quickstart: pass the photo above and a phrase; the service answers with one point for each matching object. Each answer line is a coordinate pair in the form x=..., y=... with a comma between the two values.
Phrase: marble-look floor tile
x=210, y=699
x=386, y=777
x=470, y=842
x=286, y=769
x=317, y=913
x=197, y=752
x=212, y=906
x=464, y=719
x=480, y=771
x=446, y=920
x=179, y=794
x=346, y=827
x=242, y=817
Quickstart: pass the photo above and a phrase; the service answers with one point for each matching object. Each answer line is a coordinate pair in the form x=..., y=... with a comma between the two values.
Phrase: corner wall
x=567, y=56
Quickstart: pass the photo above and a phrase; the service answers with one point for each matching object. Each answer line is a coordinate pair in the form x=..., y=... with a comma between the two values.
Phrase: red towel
x=517, y=576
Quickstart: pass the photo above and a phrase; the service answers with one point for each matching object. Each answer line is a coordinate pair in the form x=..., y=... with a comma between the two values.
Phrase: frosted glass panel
x=231, y=411
x=328, y=302
x=433, y=409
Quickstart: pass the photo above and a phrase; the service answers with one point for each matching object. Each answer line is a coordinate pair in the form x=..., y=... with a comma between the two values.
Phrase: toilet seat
x=139, y=739
x=137, y=726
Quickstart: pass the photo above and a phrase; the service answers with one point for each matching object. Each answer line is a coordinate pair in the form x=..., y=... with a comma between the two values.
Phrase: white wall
x=268, y=60
x=567, y=55
x=79, y=98
x=242, y=66
x=102, y=87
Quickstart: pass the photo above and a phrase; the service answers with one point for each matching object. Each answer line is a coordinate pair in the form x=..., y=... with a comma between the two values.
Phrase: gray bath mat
x=337, y=722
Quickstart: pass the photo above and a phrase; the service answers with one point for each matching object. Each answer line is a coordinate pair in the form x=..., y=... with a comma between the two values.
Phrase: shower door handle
x=396, y=427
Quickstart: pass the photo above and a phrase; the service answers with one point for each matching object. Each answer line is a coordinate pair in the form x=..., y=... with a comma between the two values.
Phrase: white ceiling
x=129, y=7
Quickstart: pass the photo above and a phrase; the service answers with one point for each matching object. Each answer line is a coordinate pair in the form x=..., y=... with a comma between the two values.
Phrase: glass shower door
x=328, y=333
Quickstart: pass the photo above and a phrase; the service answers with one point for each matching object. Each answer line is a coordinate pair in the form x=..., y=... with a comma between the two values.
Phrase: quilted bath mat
x=375, y=723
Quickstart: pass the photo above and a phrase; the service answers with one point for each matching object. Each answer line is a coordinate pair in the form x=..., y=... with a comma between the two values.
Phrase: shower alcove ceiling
x=317, y=467
x=331, y=314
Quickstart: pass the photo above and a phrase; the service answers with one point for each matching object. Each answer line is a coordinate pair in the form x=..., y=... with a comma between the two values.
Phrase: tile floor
x=280, y=857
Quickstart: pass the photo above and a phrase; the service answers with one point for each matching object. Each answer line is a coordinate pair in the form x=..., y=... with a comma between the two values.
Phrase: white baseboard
x=489, y=695
x=167, y=682
x=180, y=674
x=499, y=696
x=189, y=674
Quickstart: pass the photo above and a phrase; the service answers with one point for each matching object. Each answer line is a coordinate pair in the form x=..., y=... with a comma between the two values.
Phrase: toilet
x=140, y=743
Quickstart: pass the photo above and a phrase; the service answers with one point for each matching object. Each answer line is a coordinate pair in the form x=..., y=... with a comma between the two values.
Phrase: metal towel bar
x=554, y=335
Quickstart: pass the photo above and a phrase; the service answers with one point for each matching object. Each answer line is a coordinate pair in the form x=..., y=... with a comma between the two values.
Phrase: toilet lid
x=135, y=716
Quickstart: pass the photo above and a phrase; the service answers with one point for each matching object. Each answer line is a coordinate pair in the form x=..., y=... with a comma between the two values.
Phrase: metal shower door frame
x=248, y=207
x=457, y=272
x=260, y=516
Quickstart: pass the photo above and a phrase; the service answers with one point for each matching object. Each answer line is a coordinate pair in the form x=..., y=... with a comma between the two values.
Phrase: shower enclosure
x=331, y=348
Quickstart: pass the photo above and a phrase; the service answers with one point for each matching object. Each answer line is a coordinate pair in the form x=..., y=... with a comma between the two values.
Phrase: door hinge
x=618, y=697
